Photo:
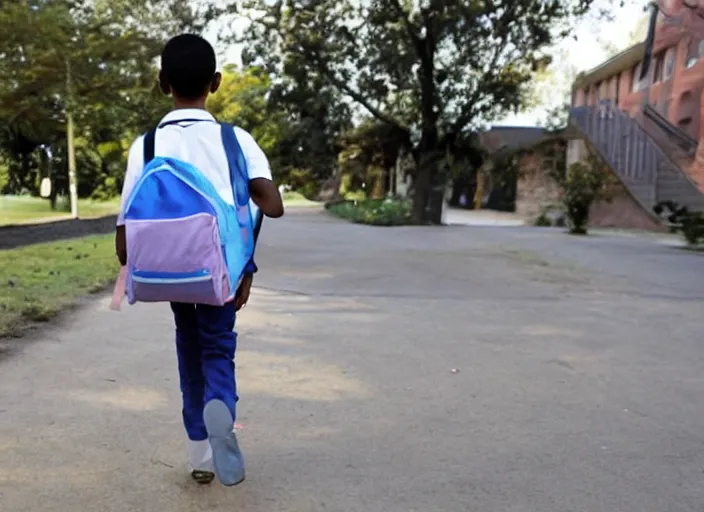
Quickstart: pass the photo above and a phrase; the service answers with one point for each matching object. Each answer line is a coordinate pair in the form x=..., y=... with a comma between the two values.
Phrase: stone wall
x=535, y=190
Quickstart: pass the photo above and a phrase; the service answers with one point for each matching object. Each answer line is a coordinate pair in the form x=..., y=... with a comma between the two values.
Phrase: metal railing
x=683, y=140
x=633, y=155
x=625, y=147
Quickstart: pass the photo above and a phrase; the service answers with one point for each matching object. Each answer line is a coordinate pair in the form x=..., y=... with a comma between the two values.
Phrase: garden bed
x=374, y=212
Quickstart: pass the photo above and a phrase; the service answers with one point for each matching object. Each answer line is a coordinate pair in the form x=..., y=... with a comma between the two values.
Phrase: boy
x=205, y=340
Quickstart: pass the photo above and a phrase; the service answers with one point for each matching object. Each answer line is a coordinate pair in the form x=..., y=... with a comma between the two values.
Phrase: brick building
x=649, y=130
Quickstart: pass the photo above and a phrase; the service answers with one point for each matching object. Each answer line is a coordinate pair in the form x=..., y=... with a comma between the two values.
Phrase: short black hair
x=188, y=64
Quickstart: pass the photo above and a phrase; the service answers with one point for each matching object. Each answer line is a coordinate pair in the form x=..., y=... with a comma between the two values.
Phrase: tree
x=370, y=153
x=431, y=68
x=88, y=63
x=636, y=35
x=583, y=183
x=553, y=88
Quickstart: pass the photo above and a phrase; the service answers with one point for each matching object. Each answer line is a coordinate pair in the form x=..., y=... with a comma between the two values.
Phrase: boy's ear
x=215, y=84
x=164, y=84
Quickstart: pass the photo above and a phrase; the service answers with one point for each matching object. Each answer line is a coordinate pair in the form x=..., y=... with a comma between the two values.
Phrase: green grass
x=294, y=198
x=375, y=212
x=357, y=195
x=39, y=281
x=25, y=209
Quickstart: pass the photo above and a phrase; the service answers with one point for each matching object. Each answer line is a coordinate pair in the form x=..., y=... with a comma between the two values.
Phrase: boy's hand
x=121, y=245
x=242, y=295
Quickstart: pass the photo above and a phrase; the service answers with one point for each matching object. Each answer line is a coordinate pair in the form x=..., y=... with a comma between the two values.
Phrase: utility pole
x=72, y=181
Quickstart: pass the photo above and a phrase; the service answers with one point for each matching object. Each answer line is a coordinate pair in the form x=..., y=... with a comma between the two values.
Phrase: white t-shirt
x=197, y=141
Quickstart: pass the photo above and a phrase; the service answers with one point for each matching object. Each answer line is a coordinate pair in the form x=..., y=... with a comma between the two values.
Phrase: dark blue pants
x=205, y=343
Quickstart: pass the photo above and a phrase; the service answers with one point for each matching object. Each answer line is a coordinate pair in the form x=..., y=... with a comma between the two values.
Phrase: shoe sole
x=202, y=477
x=219, y=424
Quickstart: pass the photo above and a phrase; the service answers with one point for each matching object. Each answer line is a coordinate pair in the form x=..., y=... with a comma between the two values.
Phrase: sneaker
x=228, y=462
x=200, y=456
x=201, y=476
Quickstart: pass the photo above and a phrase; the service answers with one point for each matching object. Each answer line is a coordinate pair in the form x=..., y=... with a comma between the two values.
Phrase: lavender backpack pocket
x=184, y=243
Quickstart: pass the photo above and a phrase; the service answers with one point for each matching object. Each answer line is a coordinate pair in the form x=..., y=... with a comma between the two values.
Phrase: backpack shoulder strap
x=149, y=141
x=258, y=224
x=150, y=136
x=239, y=177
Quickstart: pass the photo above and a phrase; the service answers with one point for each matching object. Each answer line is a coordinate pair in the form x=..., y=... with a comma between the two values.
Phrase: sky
x=583, y=53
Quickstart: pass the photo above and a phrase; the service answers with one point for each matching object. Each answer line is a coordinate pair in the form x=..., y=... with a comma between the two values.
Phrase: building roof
x=513, y=137
x=627, y=59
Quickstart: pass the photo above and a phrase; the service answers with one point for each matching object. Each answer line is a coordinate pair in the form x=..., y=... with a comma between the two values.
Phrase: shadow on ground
x=12, y=237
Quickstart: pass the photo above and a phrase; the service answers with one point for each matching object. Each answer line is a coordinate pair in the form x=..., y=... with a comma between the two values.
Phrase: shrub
x=551, y=215
x=542, y=221
x=689, y=224
x=584, y=183
x=376, y=212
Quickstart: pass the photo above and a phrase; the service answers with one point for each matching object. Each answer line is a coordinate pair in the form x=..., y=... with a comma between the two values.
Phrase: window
x=604, y=91
x=695, y=50
x=669, y=66
x=658, y=67
x=617, y=88
x=635, y=78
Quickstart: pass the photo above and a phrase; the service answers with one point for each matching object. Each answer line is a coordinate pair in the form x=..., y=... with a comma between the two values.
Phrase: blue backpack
x=184, y=243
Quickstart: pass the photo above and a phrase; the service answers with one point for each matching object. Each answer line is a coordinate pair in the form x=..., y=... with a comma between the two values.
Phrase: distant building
x=648, y=130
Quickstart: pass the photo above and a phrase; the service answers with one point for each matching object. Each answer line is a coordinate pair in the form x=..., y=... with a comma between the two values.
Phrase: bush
x=376, y=212
x=584, y=183
x=689, y=224
x=542, y=221
x=551, y=215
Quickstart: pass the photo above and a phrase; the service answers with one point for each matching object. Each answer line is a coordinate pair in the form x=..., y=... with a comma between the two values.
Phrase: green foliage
x=542, y=221
x=95, y=59
x=376, y=212
x=242, y=100
x=370, y=151
x=551, y=215
x=431, y=70
x=689, y=224
x=584, y=183
x=295, y=120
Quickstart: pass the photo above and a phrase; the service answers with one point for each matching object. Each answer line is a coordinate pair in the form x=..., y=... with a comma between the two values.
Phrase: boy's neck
x=181, y=104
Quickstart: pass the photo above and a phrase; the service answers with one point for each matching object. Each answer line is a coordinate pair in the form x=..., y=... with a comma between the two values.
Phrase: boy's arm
x=251, y=267
x=262, y=189
x=134, y=169
x=266, y=196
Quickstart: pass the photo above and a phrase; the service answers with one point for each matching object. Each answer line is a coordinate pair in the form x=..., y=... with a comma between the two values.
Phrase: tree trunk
x=421, y=192
x=71, y=148
x=428, y=192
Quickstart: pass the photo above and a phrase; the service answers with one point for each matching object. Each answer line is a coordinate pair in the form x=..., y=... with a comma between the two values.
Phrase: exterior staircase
x=645, y=169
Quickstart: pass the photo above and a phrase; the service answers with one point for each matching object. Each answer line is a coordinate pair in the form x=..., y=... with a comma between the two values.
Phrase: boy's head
x=188, y=68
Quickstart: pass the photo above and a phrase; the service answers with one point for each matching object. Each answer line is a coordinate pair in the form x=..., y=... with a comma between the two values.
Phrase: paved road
x=47, y=230
x=578, y=385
